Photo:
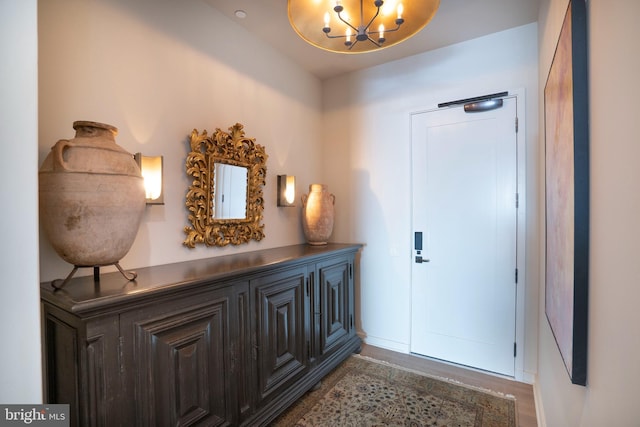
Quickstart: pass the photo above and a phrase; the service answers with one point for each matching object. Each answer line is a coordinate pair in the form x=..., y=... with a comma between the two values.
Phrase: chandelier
x=356, y=26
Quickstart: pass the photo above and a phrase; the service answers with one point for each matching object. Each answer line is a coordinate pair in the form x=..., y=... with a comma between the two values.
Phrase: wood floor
x=523, y=393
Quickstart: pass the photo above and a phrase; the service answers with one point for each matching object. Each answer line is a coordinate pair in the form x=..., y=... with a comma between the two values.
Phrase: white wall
x=613, y=372
x=156, y=69
x=20, y=360
x=367, y=164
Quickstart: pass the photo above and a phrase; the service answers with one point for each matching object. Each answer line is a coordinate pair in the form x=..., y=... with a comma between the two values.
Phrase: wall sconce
x=286, y=190
x=151, y=168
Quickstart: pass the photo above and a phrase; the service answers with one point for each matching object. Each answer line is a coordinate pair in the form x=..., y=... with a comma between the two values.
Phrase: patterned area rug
x=364, y=392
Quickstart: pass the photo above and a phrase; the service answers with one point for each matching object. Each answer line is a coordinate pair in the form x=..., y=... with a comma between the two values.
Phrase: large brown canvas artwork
x=567, y=192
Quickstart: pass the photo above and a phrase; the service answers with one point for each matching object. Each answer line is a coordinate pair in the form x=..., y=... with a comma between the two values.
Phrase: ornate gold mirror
x=225, y=201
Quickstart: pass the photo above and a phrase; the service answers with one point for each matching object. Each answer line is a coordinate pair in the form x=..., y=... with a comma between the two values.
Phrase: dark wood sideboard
x=229, y=340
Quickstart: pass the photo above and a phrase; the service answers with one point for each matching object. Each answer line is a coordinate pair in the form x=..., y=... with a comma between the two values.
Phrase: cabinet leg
x=316, y=386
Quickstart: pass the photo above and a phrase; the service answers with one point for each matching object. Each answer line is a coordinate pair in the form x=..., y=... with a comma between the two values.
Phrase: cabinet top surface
x=83, y=295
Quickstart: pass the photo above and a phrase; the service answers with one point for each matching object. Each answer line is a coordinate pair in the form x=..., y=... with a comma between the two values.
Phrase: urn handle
x=304, y=199
x=58, y=155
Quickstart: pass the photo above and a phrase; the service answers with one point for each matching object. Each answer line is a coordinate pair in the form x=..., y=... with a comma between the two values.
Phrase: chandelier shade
x=358, y=26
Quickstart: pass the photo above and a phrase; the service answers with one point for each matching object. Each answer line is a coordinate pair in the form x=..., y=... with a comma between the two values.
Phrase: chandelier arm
x=372, y=19
x=335, y=37
x=374, y=42
x=389, y=31
x=352, y=27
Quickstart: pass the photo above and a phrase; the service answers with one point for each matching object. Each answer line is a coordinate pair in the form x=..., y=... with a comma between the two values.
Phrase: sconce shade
x=357, y=26
x=151, y=168
x=286, y=190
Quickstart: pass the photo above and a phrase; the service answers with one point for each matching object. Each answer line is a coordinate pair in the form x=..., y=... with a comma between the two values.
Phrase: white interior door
x=465, y=205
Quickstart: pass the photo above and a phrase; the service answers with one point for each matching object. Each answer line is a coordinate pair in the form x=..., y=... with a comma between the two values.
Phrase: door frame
x=521, y=286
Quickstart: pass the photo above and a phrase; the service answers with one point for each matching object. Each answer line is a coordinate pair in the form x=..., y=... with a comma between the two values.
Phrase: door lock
x=417, y=246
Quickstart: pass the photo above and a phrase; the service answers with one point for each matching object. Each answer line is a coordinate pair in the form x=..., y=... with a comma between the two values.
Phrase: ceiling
x=454, y=22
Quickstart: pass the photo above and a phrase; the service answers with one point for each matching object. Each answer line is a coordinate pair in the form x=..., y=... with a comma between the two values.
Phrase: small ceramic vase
x=317, y=214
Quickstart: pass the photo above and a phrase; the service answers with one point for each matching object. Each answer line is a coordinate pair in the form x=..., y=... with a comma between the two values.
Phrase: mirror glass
x=229, y=191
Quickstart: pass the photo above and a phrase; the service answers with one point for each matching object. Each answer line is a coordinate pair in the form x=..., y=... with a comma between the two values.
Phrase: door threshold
x=464, y=367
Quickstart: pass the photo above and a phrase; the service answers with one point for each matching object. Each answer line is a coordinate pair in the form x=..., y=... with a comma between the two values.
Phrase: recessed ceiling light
x=240, y=14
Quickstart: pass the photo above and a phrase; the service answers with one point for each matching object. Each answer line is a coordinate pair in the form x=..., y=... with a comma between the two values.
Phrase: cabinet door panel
x=181, y=363
x=281, y=338
x=61, y=365
x=82, y=356
x=102, y=371
x=243, y=363
x=334, y=304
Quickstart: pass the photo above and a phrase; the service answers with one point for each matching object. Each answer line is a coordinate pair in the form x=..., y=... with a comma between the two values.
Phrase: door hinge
x=351, y=320
x=516, y=125
x=515, y=348
x=121, y=353
x=517, y=200
x=516, y=275
x=308, y=349
x=307, y=285
x=350, y=271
